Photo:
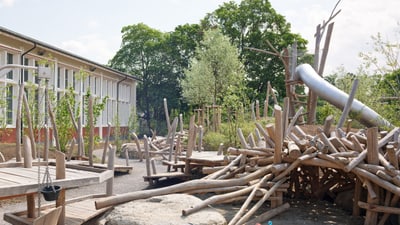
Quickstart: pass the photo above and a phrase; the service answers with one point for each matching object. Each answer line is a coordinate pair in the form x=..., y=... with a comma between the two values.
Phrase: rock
x=163, y=210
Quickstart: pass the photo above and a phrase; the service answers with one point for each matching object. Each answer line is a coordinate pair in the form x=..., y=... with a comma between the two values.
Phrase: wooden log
x=356, y=143
x=55, y=130
x=277, y=168
x=294, y=150
x=18, y=124
x=147, y=155
x=388, y=137
x=278, y=134
x=30, y=125
x=252, y=141
x=268, y=140
x=248, y=201
x=91, y=130
x=394, y=201
x=136, y=140
x=166, y=114
x=225, y=169
x=321, y=163
x=375, y=179
x=110, y=166
x=107, y=140
x=383, y=175
x=348, y=104
x=271, y=191
x=181, y=187
x=391, y=154
x=217, y=198
x=379, y=208
x=338, y=143
x=327, y=125
x=243, y=142
x=269, y=214
x=265, y=161
x=235, y=151
x=327, y=143
x=220, y=149
x=27, y=152
x=71, y=149
x=60, y=174
x=353, y=163
x=357, y=197
x=294, y=165
x=293, y=121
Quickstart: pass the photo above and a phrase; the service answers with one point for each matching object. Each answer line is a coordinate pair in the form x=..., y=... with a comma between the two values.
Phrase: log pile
x=283, y=158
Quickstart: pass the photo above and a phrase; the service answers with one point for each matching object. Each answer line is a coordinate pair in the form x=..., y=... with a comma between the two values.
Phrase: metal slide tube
x=338, y=98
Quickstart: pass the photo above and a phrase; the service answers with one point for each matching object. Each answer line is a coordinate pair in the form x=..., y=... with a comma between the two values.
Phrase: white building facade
x=67, y=71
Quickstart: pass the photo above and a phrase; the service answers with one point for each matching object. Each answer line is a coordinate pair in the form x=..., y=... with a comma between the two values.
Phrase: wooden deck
x=76, y=212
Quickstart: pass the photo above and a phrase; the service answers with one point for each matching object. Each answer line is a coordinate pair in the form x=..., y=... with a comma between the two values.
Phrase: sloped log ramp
x=76, y=212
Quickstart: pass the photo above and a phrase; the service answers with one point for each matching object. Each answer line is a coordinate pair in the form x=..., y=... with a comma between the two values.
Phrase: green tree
x=254, y=23
x=214, y=73
x=159, y=59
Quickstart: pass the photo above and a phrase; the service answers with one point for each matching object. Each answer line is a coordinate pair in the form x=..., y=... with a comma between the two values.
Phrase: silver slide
x=338, y=98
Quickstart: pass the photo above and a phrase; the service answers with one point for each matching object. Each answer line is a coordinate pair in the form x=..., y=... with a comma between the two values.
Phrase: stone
x=163, y=210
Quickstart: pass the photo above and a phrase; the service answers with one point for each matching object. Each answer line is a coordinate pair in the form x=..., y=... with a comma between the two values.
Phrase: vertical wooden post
x=167, y=114
x=372, y=158
x=18, y=124
x=60, y=174
x=103, y=158
x=349, y=102
x=30, y=199
x=91, y=130
x=190, y=145
x=147, y=155
x=30, y=126
x=110, y=166
x=278, y=149
x=257, y=110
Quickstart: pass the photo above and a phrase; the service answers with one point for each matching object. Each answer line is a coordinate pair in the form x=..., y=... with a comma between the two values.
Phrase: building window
x=36, y=77
x=10, y=60
x=26, y=72
x=9, y=100
x=59, y=80
x=73, y=80
x=66, y=79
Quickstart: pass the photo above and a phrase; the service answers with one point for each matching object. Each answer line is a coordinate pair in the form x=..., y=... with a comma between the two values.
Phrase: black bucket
x=50, y=193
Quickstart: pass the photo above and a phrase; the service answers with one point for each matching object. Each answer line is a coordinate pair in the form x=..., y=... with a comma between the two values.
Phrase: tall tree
x=159, y=59
x=254, y=23
x=215, y=72
x=140, y=54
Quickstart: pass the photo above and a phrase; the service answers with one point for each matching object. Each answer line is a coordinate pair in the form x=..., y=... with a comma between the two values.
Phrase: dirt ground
x=301, y=211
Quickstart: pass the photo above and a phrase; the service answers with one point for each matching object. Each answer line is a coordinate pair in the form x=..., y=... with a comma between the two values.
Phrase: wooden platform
x=117, y=168
x=76, y=212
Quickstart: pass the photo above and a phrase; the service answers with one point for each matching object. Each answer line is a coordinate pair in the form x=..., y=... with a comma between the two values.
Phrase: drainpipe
x=22, y=61
x=126, y=77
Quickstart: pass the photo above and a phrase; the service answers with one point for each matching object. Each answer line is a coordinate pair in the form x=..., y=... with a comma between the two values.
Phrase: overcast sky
x=91, y=28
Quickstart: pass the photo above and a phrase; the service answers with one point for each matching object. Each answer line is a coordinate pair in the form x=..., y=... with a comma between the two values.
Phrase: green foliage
x=214, y=73
x=254, y=23
x=212, y=140
x=63, y=118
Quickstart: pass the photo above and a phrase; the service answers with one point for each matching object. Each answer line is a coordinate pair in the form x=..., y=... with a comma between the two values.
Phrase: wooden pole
x=167, y=114
x=91, y=130
x=349, y=102
x=103, y=158
x=110, y=166
x=30, y=126
x=60, y=174
x=18, y=124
